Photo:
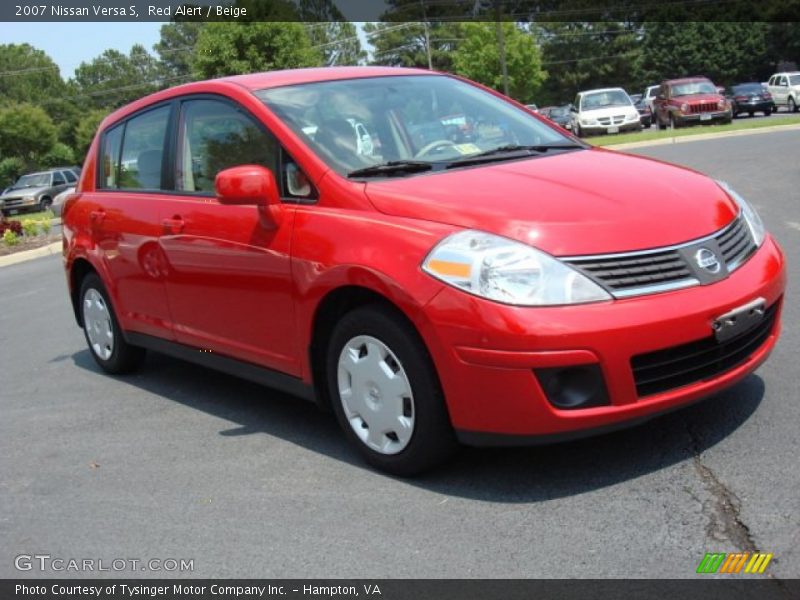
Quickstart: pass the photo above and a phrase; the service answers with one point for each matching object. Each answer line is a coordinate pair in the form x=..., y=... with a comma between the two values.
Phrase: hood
x=26, y=191
x=583, y=202
x=698, y=98
x=609, y=111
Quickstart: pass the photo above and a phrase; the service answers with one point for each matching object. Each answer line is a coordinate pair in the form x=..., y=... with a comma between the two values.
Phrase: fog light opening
x=574, y=387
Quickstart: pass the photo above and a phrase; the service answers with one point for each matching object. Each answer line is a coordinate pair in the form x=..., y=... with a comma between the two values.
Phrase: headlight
x=503, y=270
x=633, y=117
x=588, y=121
x=722, y=104
x=684, y=108
x=749, y=213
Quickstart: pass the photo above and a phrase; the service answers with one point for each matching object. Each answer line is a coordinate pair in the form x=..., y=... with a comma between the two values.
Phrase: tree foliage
x=31, y=75
x=175, y=46
x=403, y=44
x=233, y=48
x=26, y=131
x=87, y=127
x=114, y=79
x=478, y=58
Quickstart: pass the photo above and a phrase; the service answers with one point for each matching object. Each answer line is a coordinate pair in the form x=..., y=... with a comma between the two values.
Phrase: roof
x=260, y=81
x=687, y=79
x=599, y=90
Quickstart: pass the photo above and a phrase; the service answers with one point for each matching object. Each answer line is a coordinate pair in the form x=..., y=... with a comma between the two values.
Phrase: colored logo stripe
x=723, y=562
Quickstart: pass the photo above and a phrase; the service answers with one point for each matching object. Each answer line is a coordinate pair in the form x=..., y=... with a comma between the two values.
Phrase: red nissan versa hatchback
x=421, y=254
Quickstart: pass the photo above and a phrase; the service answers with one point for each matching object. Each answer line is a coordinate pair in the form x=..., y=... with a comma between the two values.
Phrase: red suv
x=690, y=100
x=415, y=252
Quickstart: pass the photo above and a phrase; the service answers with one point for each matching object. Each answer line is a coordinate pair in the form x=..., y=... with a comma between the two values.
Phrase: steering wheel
x=427, y=148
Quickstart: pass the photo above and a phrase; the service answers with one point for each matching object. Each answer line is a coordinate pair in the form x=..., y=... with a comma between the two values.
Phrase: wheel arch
x=80, y=268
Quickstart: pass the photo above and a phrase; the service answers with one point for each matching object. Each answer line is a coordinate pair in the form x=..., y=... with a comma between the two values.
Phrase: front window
x=30, y=181
x=748, y=88
x=693, y=88
x=358, y=123
x=794, y=79
x=596, y=100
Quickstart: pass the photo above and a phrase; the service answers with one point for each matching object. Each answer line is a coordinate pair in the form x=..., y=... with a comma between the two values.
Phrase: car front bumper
x=608, y=129
x=709, y=117
x=487, y=353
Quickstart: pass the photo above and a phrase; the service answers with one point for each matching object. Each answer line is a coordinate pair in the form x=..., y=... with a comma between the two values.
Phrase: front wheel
x=792, y=105
x=45, y=203
x=101, y=328
x=386, y=394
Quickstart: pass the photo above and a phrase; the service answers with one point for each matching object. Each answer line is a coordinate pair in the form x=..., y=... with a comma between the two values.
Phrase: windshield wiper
x=500, y=152
x=392, y=167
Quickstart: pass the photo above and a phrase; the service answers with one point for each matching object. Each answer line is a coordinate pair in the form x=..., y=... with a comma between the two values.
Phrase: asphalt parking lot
x=179, y=462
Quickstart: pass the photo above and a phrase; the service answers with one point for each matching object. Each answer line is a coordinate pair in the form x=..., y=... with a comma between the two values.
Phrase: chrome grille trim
x=626, y=274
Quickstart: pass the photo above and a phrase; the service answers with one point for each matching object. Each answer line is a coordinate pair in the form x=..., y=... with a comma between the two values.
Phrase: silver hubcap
x=376, y=395
x=97, y=322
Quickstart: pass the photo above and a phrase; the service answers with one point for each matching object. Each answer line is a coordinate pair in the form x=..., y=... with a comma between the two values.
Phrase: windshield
x=794, y=79
x=748, y=88
x=35, y=180
x=693, y=88
x=559, y=111
x=605, y=99
x=357, y=123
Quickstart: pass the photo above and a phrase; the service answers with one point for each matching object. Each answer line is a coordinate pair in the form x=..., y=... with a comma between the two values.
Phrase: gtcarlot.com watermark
x=57, y=564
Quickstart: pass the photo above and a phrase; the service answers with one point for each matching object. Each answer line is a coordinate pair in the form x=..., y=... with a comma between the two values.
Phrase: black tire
x=792, y=106
x=768, y=112
x=124, y=357
x=673, y=124
x=432, y=441
x=577, y=131
x=752, y=114
x=45, y=202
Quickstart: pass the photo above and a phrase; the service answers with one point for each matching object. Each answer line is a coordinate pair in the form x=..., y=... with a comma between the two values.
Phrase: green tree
x=10, y=170
x=337, y=42
x=175, y=47
x=59, y=155
x=26, y=131
x=586, y=55
x=114, y=79
x=477, y=57
x=29, y=75
x=236, y=48
x=725, y=52
x=404, y=44
x=84, y=132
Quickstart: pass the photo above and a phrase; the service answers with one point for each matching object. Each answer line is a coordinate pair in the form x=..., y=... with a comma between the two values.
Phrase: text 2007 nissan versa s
x=420, y=254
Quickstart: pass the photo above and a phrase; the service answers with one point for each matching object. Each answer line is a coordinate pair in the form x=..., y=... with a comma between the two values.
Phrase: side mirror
x=251, y=185
x=572, y=108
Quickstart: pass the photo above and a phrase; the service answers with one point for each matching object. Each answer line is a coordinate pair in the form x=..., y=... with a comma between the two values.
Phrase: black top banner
x=399, y=10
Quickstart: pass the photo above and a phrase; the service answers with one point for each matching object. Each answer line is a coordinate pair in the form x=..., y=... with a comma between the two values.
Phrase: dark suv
x=690, y=100
x=35, y=191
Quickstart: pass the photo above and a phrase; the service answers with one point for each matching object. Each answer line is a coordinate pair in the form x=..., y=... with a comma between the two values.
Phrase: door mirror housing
x=251, y=185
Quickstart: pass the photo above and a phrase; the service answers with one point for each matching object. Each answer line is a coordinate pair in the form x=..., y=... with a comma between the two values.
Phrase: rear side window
x=213, y=136
x=58, y=178
x=143, y=150
x=112, y=144
x=70, y=176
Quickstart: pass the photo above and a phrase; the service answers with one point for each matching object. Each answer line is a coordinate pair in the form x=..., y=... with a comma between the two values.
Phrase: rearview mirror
x=251, y=185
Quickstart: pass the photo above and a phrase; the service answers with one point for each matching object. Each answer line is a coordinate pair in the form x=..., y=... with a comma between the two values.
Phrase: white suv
x=650, y=94
x=785, y=90
x=609, y=110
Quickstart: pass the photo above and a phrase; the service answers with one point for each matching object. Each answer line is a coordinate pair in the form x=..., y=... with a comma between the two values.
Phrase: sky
x=69, y=44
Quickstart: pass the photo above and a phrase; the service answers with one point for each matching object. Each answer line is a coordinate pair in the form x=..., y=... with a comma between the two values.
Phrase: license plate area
x=705, y=117
x=739, y=320
x=613, y=129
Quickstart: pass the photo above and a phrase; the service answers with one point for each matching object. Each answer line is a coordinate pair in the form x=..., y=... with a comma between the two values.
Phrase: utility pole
x=501, y=45
x=427, y=36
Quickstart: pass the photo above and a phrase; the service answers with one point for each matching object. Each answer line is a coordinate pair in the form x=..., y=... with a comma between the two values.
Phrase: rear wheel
x=386, y=394
x=102, y=331
x=792, y=105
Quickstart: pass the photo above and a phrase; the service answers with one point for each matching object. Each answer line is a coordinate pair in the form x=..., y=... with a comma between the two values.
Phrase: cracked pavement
x=180, y=462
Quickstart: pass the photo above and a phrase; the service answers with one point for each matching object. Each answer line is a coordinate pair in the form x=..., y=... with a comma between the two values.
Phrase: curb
x=701, y=137
x=12, y=259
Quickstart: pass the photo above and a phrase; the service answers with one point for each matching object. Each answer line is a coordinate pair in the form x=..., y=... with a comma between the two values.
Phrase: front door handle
x=174, y=225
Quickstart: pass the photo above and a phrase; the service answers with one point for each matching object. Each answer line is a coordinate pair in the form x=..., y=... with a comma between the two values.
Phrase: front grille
x=703, y=107
x=664, y=370
x=634, y=273
x=11, y=202
x=615, y=120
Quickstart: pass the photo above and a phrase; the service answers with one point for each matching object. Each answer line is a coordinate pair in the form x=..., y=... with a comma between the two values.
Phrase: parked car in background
x=36, y=191
x=785, y=90
x=690, y=100
x=58, y=202
x=750, y=98
x=560, y=115
x=636, y=97
x=607, y=110
x=650, y=93
x=533, y=107
x=645, y=114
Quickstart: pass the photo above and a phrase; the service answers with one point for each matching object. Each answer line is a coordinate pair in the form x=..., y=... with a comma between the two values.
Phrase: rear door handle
x=174, y=225
x=97, y=216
